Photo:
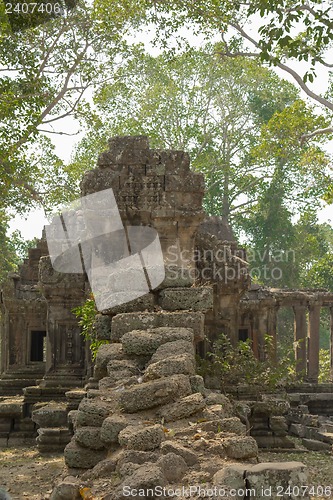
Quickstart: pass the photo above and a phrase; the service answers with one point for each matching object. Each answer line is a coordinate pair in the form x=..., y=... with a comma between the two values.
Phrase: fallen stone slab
x=145, y=478
x=231, y=425
x=173, y=447
x=231, y=479
x=278, y=480
x=297, y=430
x=142, y=438
x=192, y=299
x=183, y=408
x=146, y=342
x=314, y=445
x=155, y=393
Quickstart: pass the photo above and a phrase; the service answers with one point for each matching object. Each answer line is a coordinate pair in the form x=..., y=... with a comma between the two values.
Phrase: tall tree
x=213, y=109
x=278, y=32
x=45, y=72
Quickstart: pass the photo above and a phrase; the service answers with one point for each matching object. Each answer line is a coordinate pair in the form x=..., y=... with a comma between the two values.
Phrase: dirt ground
x=26, y=474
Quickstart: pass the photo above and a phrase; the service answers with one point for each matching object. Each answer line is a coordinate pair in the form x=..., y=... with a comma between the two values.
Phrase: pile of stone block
x=315, y=431
x=53, y=432
x=151, y=421
x=263, y=481
x=15, y=428
x=268, y=424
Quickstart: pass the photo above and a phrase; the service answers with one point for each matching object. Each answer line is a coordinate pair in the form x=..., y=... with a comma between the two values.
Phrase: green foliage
x=238, y=365
x=86, y=315
x=216, y=109
x=46, y=68
x=13, y=248
x=285, y=30
x=324, y=366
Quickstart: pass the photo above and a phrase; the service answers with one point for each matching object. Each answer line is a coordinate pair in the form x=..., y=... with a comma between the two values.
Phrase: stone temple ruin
x=128, y=413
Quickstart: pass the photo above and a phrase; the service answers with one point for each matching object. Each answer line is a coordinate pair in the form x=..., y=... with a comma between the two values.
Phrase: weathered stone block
x=314, y=445
x=176, y=276
x=273, y=479
x=89, y=437
x=102, y=327
x=183, y=408
x=143, y=303
x=173, y=467
x=145, y=342
x=230, y=425
x=276, y=407
x=197, y=384
x=50, y=415
x=92, y=412
x=145, y=478
x=142, y=438
x=195, y=299
x=310, y=420
x=297, y=430
x=77, y=456
x=111, y=428
x=68, y=489
x=240, y=447
x=268, y=442
x=155, y=393
x=106, y=353
x=173, y=447
x=123, y=323
x=136, y=457
x=278, y=425
x=171, y=349
x=216, y=412
x=11, y=407
x=183, y=363
x=231, y=477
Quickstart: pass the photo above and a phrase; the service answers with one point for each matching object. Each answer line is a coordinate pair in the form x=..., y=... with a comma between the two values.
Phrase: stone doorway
x=38, y=346
x=243, y=334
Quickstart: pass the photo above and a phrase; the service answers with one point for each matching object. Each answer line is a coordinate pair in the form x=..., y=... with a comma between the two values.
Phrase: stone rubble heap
x=315, y=431
x=151, y=423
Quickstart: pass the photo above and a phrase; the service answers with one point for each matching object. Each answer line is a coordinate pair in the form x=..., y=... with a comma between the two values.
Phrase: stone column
x=331, y=341
x=300, y=336
x=262, y=331
x=313, y=342
x=272, y=321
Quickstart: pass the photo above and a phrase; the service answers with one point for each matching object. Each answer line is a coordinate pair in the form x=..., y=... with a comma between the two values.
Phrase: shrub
x=238, y=365
x=86, y=315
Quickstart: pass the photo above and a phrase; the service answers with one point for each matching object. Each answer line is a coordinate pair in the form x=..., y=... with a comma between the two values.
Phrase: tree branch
x=319, y=131
x=286, y=68
x=57, y=133
x=64, y=89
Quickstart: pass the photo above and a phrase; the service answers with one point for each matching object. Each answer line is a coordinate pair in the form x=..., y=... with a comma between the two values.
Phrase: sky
x=32, y=225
